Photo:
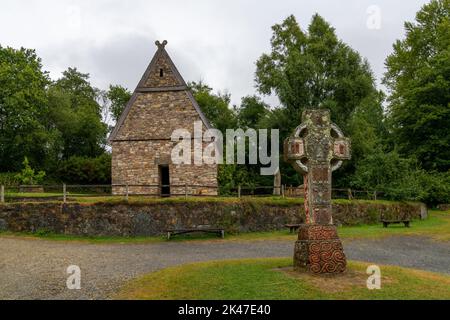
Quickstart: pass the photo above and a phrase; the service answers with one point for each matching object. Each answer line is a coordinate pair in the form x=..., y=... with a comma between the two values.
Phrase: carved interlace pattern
x=318, y=232
x=305, y=184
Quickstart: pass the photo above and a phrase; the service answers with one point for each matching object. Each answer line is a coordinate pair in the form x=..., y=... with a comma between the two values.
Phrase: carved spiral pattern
x=327, y=257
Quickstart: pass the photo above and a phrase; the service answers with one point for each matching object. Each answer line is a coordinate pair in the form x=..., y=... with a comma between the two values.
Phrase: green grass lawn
x=32, y=195
x=87, y=198
x=36, y=195
x=272, y=279
x=436, y=227
x=92, y=199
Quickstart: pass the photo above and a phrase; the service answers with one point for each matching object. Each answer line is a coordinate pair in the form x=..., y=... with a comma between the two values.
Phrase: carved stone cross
x=317, y=148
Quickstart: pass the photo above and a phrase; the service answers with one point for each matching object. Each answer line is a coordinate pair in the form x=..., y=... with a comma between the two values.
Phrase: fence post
x=239, y=191
x=350, y=196
x=375, y=195
x=127, y=192
x=64, y=193
x=185, y=190
x=2, y=194
x=283, y=191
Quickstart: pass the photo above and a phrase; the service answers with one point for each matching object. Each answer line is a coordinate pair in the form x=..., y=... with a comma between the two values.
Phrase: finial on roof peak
x=161, y=45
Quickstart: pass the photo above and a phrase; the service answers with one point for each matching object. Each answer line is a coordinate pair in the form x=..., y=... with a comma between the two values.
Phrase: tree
x=118, y=97
x=76, y=114
x=418, y=77
x=216, y=107
x=23, y=106
x=82, y=93
x=251, y=112
x=313, y=68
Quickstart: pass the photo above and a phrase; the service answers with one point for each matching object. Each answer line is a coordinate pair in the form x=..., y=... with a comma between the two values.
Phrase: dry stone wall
x=151, y=219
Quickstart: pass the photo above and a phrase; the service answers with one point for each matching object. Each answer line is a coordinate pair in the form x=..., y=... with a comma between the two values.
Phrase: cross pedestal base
x=319, y=250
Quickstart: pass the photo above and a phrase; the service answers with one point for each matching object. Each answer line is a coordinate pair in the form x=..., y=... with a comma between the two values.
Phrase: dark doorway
x=164, y=180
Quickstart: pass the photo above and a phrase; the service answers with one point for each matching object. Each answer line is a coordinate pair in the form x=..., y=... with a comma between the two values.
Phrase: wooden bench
x=174, y=232
x=386, y=223
x=292, y=227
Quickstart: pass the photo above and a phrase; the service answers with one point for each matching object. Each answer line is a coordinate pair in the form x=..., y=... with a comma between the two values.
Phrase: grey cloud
x=217, y=41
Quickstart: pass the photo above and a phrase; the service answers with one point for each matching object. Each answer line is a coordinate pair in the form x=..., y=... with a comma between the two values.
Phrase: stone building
x=141, y=141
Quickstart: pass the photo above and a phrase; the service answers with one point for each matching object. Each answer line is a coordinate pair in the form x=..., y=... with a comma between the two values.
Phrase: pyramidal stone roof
x=173, y=81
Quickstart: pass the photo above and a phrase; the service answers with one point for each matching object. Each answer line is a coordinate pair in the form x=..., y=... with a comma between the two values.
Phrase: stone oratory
x=141, y=141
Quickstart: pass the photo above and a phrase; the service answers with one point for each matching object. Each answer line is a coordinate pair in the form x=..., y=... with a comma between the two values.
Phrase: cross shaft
x=316, y=149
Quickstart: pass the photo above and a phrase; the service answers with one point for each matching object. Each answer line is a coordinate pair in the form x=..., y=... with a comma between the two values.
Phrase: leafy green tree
x=222, y=116
x=418, y=76
x=23, y=107
x=118, y=97
x=216, y=107
x=81, y=93
x=76, y=114
x=313, y=68
x=232, y=176
x=251, y=112
x=380, y=170
x=367, y=131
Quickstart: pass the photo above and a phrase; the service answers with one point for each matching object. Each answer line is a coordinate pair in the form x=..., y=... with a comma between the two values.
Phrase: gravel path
x=36, y=269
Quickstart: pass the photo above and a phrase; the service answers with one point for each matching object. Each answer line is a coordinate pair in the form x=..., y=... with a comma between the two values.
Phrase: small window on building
x=161, y=73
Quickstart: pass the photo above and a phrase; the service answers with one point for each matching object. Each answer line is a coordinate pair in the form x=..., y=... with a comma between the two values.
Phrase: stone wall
x=150, y=219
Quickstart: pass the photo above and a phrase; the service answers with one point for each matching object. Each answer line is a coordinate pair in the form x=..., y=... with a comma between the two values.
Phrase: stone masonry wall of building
x=156, y=115
x=168, y=79
x=136, y=163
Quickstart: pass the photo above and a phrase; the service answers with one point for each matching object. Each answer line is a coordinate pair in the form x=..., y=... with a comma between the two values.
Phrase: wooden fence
x=65, y=191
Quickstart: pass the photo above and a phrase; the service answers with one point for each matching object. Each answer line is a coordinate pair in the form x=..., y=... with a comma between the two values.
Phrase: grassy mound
x=272, y=279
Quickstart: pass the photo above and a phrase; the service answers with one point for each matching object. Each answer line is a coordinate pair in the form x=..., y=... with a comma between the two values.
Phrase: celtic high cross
x=316, y=149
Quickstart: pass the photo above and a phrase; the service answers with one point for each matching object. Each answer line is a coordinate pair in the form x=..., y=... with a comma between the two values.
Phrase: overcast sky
x=217, y=41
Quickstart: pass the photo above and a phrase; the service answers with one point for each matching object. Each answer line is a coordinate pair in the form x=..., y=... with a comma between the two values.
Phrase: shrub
x=431, y=187
x=9, y=179
x=28, y=176
x=83, y=170
x=401, y=179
